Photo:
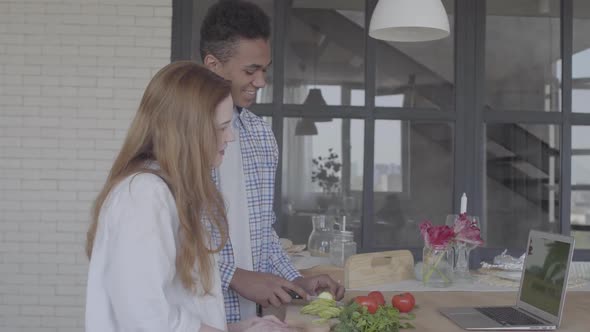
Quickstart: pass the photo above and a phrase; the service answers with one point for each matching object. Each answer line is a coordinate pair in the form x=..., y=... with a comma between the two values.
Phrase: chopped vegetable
x=326, y=295
x=324, y=308
x=356, y=318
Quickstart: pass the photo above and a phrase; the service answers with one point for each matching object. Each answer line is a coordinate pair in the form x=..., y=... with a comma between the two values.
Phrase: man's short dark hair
x=228, y=21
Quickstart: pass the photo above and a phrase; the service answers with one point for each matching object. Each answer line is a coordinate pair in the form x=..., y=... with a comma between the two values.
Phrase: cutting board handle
x=381, y=261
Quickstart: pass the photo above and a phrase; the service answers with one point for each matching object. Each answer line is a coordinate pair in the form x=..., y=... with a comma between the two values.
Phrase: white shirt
x=233, y=188
x=132, y=279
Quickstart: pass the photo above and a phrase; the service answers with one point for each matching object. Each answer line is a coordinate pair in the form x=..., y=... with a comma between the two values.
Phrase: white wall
x=71, y=76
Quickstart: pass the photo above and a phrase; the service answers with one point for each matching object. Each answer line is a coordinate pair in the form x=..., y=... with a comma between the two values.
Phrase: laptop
x=541, y=294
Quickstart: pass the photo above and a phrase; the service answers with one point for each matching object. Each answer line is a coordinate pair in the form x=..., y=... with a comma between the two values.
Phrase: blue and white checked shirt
x=259, y=157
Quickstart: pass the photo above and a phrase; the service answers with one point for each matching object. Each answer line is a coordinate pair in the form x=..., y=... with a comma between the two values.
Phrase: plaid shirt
x=259, y=157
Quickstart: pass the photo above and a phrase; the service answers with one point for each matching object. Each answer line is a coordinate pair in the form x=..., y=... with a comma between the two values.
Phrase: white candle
x=463, y=203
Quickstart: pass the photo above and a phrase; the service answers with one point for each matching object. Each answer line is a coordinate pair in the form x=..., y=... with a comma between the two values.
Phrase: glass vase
x=437, y=268
x=461, y=261
x=462, y=249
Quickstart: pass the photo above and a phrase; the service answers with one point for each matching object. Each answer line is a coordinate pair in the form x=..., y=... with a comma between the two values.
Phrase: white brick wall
x=71, y=75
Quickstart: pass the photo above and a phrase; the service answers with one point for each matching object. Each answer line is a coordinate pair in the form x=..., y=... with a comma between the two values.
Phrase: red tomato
x=411, y=298
x=367, y=302
x=403, y=302
x=378, y=297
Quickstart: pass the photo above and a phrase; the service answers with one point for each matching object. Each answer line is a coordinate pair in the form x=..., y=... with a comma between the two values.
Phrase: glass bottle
x=322, y=234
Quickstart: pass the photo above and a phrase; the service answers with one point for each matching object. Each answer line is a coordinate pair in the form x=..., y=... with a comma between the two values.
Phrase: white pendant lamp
x=409, y=20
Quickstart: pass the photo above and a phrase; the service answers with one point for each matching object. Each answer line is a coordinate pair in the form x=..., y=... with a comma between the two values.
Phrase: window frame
x=469, y=117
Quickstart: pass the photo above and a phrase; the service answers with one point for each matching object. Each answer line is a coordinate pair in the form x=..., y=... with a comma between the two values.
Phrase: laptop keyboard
x=508, y=316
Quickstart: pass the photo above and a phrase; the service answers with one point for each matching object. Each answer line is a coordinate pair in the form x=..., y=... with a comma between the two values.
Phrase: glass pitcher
x=322, y=234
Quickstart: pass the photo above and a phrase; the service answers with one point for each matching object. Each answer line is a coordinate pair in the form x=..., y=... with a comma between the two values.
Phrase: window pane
x=339, y=190
x=522, y=55
x=413, y=179
x=522, y=182
x=324, y=52
x=264, y=95
x=267, y=119
x=581, y=58
x=580, y=220
x=580, y=169
x=417, y=74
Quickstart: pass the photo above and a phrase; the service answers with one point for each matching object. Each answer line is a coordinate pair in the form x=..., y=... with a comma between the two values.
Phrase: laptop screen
x=545, y=273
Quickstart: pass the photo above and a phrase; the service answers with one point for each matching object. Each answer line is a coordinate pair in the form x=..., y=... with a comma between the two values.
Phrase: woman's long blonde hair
x=175, y=127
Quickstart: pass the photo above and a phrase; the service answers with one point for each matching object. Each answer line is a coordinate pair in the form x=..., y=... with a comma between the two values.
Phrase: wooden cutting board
x=360, y=271
x=335, y=272
x=291, y=315
x=378, y=268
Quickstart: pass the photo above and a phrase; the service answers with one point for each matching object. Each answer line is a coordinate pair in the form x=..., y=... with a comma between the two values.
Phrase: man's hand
x=264, y=288
x=316, y=284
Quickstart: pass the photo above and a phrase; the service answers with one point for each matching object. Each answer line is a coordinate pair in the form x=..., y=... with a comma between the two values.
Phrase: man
x=254, y=268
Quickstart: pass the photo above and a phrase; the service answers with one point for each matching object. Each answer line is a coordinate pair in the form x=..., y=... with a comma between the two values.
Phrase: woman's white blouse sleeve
x=141, y=267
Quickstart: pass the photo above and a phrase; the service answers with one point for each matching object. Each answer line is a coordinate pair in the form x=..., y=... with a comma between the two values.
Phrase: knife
x=309, y=298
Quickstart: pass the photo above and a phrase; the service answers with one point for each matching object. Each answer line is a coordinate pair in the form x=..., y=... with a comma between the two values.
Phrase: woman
x=159, y=220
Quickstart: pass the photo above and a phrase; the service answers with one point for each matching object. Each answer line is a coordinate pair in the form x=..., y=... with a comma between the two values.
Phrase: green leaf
x=355, y=318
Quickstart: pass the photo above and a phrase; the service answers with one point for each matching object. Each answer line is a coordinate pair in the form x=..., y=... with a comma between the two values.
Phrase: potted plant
x=326, y=173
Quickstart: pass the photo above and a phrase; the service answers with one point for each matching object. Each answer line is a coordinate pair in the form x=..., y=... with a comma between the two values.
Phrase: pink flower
x=436, y=236
x=467, y=231
x=464, y=231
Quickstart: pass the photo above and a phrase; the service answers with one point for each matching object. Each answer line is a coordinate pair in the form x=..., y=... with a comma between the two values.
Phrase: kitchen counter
x=575, y=317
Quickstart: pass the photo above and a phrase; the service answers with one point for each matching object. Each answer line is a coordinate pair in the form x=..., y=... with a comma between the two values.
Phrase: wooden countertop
x=576, y=317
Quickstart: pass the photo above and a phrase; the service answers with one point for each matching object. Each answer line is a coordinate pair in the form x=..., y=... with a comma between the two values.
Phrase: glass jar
x=342, y=247
x=437, y=268
x=322, y=234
